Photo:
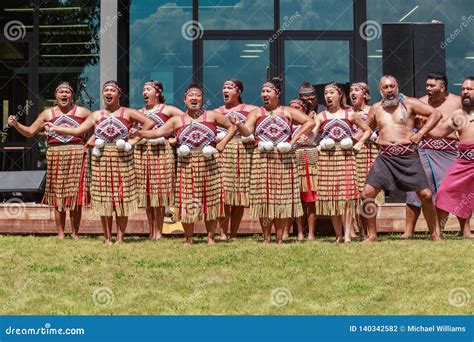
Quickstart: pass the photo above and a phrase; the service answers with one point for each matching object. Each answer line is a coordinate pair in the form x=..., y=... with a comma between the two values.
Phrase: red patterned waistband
x=444, y=144
x=397, y=149
x=466, y=154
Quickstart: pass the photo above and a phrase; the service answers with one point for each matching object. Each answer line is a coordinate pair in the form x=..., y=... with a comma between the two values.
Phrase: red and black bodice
x=112, y=128
x=272, y=127
x=67, y=120
x=197, y=134
x=336, y=129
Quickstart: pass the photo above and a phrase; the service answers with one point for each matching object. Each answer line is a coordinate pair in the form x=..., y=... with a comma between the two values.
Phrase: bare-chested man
x=398, y=165
x=437, y=155
x=456, y=194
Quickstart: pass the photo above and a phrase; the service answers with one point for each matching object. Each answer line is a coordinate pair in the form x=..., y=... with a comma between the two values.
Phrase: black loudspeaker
x=28, y=185
x=411, y=51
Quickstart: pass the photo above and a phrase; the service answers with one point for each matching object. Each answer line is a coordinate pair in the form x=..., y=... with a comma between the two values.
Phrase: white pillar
x=108, y=40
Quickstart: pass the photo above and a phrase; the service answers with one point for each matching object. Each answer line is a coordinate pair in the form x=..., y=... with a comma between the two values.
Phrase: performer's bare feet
x=468, y=235
x=279, y=242
x=406, y=236
x=300, y=237
x=347, y=240
x=339, y=239
x=108, y=242
x=285, y=234
x=435, y=237
x=211, y=241
x=75, y=236
x=266, y=241
x=188, y=241
x=224, y=237
x=370, y=239
x=61, y=236
x=311, y=237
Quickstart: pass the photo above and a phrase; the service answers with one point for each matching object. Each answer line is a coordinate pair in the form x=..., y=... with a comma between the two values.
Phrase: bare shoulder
x=424, y=99
x=455, y=99
x=172, y=110
x=250, y=107
x=255, y=112
x=83, y=112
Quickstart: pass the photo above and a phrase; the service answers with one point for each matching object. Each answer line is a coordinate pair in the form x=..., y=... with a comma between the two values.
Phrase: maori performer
x=437, y=155
x=66, y=187
x=398, y=165
x=456, y=193
x=307, y=92
x=274, y=184
x=360, y=95
x=336, y=191
x=113, y=183
x=236, y=158
x=154, y=160
x=307, y=162
x=199, y=193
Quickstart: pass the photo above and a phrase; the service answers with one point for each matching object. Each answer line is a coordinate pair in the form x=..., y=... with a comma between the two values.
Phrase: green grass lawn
x=43, y=276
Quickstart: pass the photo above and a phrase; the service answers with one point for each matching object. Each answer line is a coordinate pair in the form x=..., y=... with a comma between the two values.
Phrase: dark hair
x=158, y=86
x=277, y=82
x=193, y=85
x=469, y=78
x=438, y=76
x=239, y=85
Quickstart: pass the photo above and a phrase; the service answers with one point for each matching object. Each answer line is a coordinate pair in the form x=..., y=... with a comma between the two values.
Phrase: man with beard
x=437, y=155
x=398, y=165
x=456, y=194
x=308, y=93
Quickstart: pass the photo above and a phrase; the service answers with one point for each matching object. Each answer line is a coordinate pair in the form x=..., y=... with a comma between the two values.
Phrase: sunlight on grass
x=43, y=276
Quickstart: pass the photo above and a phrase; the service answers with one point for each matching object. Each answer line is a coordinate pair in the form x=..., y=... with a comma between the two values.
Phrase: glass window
x=245, y=60
x=69, y=48
x=316, y=15
x=318, y=62
x=236, y=14
x=458, y=19
x=160, y=48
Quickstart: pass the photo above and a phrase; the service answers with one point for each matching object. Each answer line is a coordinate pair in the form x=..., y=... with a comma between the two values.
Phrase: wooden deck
x=39, y=219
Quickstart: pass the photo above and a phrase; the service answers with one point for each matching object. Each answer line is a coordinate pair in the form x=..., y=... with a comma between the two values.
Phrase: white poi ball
x=120, y=143
x=208, y=151
x=268, y=145
x=260, y=146
x=220, y=136
x=374, y=136
x=127, y=147
x=96, y=152
x=322, y=144
x=346, y=143
x=318, y=148
x=184, y=150
x=329, y=144
x=284, y=147
x=99, y=143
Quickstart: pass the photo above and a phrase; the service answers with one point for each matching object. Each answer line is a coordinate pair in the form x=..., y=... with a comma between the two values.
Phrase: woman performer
x=199, y=189
x=360, y=95
x=274, y=186
x=336, y=191
x=154, y=161
x=236, y=159
x=113, y=184
x=66, y=187
x=307, y=157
